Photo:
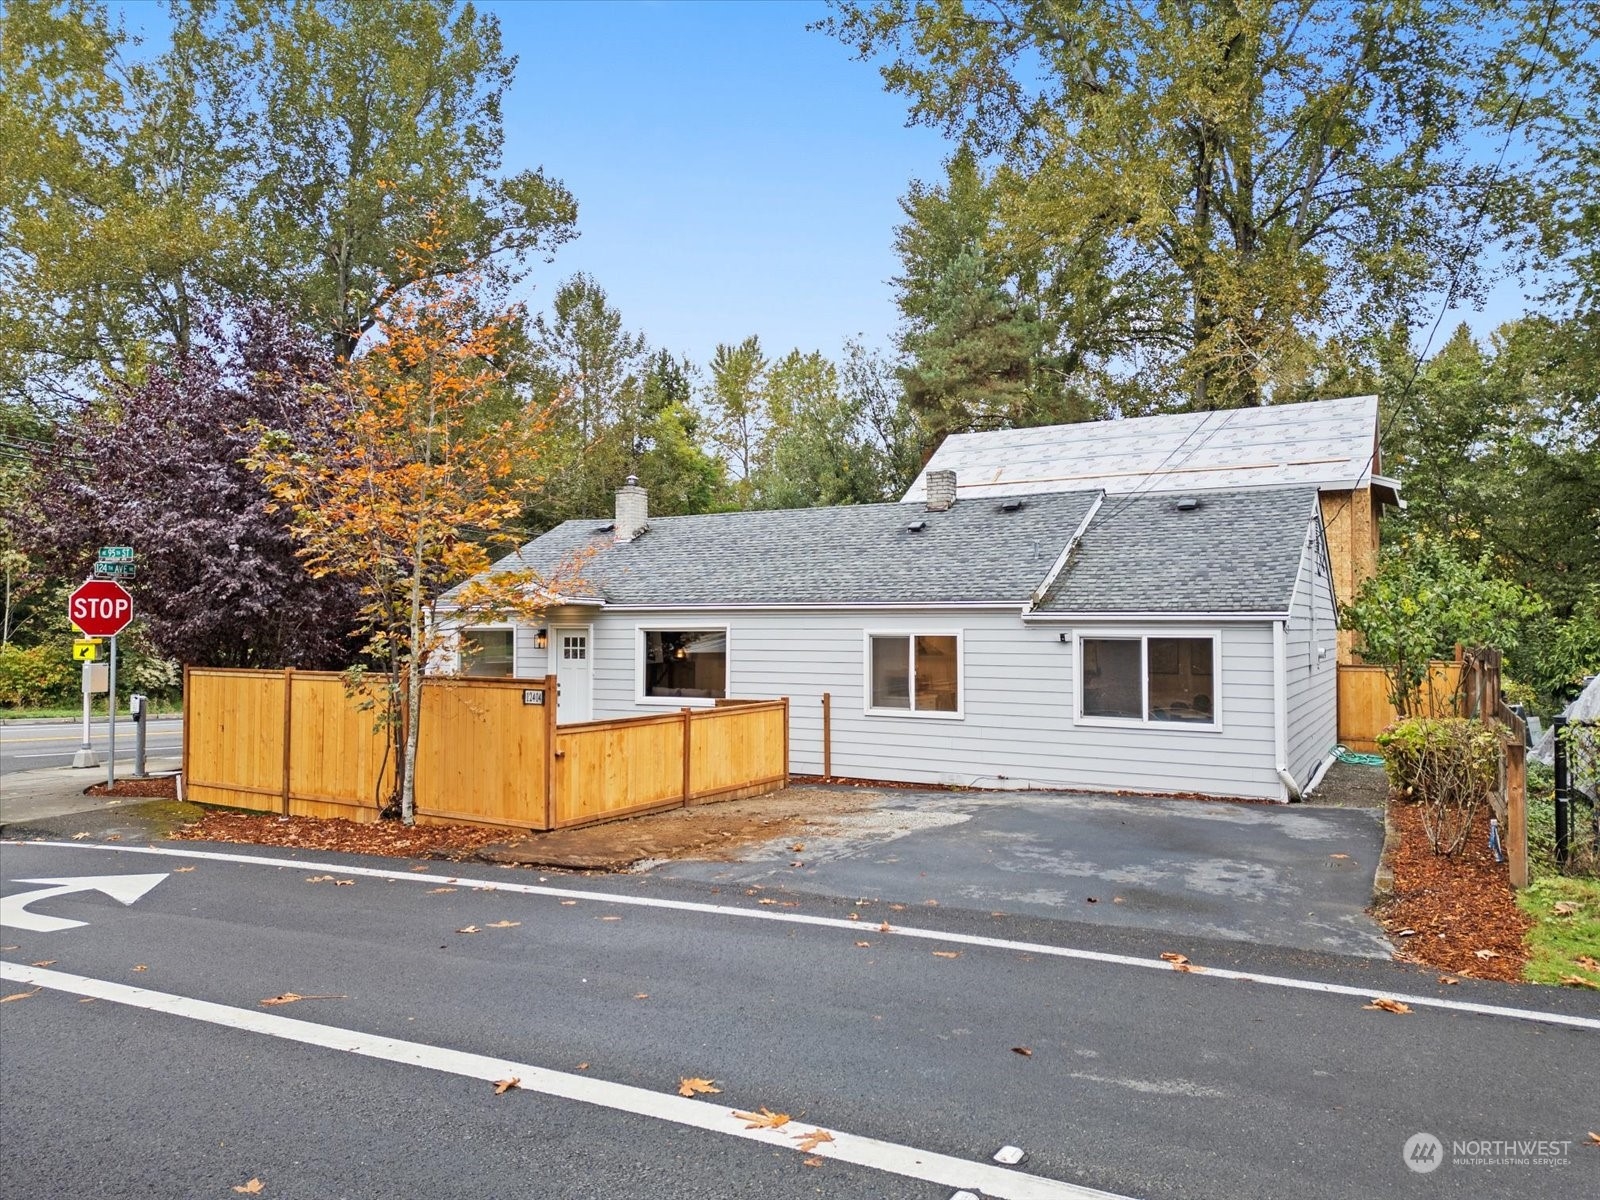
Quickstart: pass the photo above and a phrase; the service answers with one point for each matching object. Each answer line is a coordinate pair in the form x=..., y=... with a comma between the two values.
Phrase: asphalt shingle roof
x=1238, y=552
x=860, y=553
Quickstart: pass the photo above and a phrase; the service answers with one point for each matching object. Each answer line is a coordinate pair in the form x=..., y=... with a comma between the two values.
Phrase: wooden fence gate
x=303, y=743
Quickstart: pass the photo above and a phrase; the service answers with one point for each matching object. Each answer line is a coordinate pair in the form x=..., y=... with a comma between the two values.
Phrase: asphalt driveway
x=1294, y=876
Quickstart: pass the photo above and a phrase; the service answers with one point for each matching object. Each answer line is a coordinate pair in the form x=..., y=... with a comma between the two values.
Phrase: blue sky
x=735, y=172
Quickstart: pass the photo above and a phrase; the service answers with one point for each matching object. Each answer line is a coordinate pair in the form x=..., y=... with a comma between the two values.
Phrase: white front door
x=574, y=692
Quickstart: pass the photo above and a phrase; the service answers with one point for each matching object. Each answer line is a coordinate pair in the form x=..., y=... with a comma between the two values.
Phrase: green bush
x=1449, y=765
x=38, y=676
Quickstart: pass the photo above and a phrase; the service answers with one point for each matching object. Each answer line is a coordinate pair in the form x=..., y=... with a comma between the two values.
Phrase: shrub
x=38, y=676
x=1446, y=764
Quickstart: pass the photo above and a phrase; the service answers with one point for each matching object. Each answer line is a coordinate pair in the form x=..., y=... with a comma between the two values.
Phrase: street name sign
x=114, y=570
x=116, y=554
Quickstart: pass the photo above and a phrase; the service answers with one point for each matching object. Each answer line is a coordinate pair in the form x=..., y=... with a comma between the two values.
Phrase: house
x=1062, y=639
x=1329, y=445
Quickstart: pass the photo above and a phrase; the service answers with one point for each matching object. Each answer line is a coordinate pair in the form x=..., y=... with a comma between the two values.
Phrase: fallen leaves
x=503, y=924
x=78, y=837
x=947, y=954
x=339, y=835
x=46, y=962
x=610, y=918
x=863, y=945
x=296, y=997
x=1387, y=1004
x=697, y=1087
x=344, y=883
x=1564, y=908
x=1487, y=954
x=810, y=1162
x=420, y=867
x=249, y=1189
x=1022, y=1050
x=582, y=1066
x=469, y=929
x=1448, y=979
x=568, y=903
x=319, y=878
x=1594, y=1138
x=810, y=1141
x=763, y=1118
x=1588, y=963
x=181, y=870
x=766, y=900
x=440, y=891
x=141, y=967
x=884, y=928
x=641, y=995
x=1579, y=981
x=503, y=1086
x=19, y=996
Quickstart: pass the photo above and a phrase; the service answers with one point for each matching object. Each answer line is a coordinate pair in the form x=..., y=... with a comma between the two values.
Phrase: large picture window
x=914, y=673
x=487, y=653
x=685, y=664
x=1148, y=679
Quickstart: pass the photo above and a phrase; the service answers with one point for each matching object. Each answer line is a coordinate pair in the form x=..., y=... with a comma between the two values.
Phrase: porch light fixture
x=541, y=638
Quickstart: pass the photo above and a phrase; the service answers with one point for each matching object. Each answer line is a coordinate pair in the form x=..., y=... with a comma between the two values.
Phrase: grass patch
x=1561, y=936
x=158, y=708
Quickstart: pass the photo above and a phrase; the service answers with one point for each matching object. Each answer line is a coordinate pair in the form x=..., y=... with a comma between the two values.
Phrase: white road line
x=891, y=1157
x=856, y=928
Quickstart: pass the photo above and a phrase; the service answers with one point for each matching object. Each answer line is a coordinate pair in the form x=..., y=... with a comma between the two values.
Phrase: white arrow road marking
x=126, y=888
x=891, y=1157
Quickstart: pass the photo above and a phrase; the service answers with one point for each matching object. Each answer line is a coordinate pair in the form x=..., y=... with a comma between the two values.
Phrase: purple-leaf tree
x=158, y=467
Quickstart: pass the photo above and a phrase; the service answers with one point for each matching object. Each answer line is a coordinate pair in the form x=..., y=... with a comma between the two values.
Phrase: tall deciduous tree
x=1243, y=175
x=405, y=486
x=274, y=149
x=736, y=401
x=159, y=467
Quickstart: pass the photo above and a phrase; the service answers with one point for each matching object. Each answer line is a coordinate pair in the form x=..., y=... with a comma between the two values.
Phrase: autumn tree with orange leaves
x=405, y=486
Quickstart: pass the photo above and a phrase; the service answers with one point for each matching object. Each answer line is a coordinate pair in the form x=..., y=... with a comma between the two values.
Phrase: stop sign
x=100, y=607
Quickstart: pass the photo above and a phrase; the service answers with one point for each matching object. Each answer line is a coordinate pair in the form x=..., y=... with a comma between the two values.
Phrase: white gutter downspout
x=1280, y=710
x=1061, y=559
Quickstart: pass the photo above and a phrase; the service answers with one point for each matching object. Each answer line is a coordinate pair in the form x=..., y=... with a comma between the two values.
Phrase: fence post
x=786, y=741
x=688, y=747
x=288, y=730
x=1517, y=807
x=827, y=735
x=1558, y=728
x=183, y=774
x=550, y=701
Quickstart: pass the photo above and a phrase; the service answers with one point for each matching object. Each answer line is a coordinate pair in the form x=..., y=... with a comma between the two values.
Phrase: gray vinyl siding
x=1017, y=725
x=1312, y=677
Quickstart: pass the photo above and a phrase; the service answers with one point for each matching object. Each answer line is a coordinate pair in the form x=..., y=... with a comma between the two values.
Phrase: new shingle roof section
x=855, y=554
x=1237, y=552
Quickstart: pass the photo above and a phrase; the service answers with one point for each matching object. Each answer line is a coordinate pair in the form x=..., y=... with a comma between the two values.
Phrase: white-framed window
x=574, y=647
x=488, y=651
x=1164, y=679
x=914, y=673
x=682, y=664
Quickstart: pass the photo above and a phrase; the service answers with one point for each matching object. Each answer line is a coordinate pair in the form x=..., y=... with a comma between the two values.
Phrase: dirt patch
x=159, y=787
x=707, y=831
x=1455, y=906
x=347, y=837
x=1351, y=785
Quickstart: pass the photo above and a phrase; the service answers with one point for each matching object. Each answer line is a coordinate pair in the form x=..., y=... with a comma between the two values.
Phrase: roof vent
x=604, y=528
x=1011, y=505
x=1186, y=503
x=916, y=526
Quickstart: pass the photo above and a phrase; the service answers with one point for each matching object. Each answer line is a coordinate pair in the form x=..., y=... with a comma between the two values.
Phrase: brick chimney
x=941, y=490
x=633, y=511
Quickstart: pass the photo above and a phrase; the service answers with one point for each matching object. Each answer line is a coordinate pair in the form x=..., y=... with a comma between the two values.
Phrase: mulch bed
x=1456, y=906
x=390, y=838
x=160, y=787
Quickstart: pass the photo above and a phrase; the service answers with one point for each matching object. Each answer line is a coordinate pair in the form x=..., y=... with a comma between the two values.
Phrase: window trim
x=639, y=632
x=496, y=626
x=914, y=713
x=1143, y=634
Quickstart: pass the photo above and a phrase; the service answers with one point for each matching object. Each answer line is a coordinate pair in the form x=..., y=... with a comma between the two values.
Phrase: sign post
x=103, y=608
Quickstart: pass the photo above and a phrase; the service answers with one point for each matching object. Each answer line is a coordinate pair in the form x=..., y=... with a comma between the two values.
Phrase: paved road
x=601, y=994
x=25, y=745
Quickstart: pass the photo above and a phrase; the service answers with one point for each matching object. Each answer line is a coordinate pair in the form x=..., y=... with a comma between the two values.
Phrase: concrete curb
x=1383, y=879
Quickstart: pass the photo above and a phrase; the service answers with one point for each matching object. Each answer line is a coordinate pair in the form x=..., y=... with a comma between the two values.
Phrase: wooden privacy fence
x=1364, y=708
x=488, y=751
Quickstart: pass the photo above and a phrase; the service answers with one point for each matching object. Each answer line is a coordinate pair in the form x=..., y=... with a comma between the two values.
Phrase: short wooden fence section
x=1364, y=708
x=302, y=743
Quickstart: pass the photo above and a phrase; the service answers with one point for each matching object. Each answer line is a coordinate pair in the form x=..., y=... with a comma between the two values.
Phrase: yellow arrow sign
x=85, y=649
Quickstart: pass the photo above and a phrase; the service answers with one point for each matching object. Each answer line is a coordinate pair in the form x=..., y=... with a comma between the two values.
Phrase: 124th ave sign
x=100, y=607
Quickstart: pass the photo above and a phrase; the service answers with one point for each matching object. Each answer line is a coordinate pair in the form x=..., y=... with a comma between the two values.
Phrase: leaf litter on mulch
x=1461, y=910
x=336, y=834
